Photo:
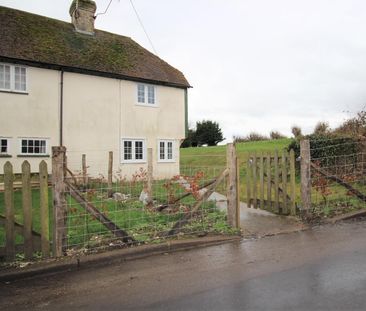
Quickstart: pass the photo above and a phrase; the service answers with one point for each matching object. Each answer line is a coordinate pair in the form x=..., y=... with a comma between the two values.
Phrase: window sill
x=5, y=155
x=167, y=161
x=147, y=105
x=33, y=155
x=14, y=92
x=133, y=162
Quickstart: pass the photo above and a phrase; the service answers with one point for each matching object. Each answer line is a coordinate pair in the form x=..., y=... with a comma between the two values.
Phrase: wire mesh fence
x=338, y=176
x=112, y=208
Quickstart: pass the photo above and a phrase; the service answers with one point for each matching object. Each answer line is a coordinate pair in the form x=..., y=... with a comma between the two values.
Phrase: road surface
x=319, y=269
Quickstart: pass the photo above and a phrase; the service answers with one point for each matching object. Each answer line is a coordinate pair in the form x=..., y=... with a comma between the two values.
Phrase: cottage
x=89, y=90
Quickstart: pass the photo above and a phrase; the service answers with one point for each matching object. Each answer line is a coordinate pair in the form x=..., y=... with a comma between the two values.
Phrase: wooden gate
x=271, y=182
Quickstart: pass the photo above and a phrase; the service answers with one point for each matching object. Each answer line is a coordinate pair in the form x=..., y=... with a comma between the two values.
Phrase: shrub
x=326, y=149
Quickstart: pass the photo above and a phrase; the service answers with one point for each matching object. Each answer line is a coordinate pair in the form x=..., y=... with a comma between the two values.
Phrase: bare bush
x=276, y=135
x=296, y=131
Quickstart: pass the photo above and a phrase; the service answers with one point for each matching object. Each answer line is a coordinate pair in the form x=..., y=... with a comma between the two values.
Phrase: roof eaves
x=90, y=72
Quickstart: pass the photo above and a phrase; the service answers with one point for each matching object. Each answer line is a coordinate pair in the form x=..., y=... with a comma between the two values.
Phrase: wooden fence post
x=284, y=181
x=110, y=174
x=9, y=211
x=261, y=181
x=238, y=192
x=45, y=229
x=249, y=170
x=305, y=175
x=59, y=201
x=150, y=174
x=292, y=183
x=27, y=210
x=269, y=174
x=254, y=179
x=84, y=170
x=232, y=194
x=276, y=183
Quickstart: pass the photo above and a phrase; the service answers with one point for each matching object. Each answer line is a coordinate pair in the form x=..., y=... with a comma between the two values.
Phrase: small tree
x=208, y=132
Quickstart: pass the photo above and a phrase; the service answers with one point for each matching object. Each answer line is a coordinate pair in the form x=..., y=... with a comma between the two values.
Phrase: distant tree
x=208, y=132
x=276, y=135
x=296, y=131
x=191, y=140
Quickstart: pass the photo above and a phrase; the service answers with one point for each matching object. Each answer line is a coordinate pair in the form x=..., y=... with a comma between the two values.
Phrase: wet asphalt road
x=319, y=269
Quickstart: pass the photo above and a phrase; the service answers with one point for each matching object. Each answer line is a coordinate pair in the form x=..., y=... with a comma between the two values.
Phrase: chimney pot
x=82, y=15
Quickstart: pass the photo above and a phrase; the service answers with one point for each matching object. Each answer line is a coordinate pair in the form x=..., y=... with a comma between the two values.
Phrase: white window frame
x=46, y=153
x=7, y=146
x=12, y=79
x=165, y=142
x=146, y=95
x=133, y=158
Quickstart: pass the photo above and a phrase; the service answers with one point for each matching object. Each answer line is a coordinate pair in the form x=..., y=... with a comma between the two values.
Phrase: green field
x=216, y=156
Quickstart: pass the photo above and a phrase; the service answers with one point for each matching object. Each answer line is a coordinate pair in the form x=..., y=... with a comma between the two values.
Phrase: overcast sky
x=255, y=65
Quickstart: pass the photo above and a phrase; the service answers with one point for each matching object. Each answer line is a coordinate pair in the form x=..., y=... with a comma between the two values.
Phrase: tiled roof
x=44, y=41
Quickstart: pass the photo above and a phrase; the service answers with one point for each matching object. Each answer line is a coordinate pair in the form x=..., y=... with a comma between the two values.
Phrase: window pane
x=138, y=150
x=141, y=93
x=3, y=146
x=151, y=94
x=19, y=78
x=5, y=77
x=34, y=146
x=127, y=150
x=170, y=150
x=162, y=150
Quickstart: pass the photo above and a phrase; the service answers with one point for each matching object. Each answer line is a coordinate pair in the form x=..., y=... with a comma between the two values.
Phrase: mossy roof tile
x=42, y=40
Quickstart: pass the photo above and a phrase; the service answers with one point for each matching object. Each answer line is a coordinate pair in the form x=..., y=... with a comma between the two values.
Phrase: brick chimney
x=82, y=15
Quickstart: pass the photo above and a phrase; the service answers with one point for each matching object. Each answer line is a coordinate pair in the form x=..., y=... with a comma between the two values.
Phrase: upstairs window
x=133, y=150
x=166, y=151
x=13, y=78
x=146, y=94
x=31, y=146
x=4, y=146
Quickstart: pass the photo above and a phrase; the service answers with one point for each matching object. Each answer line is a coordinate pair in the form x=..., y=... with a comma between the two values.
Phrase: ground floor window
x=4, y=145
x=33, y=146
x=166, y=151
x=133, y=150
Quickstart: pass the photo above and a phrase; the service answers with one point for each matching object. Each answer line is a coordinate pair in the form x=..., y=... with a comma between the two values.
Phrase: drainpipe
x=61, y=107
x=186, y=111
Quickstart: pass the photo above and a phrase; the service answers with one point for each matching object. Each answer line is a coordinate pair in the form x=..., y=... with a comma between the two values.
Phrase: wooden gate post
x=149, y=174
x=9, y=211
x=232, y=189
x=110, y=174
x=305, y=175
x=59, y=200
x=27, y=210
x=84, y=171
